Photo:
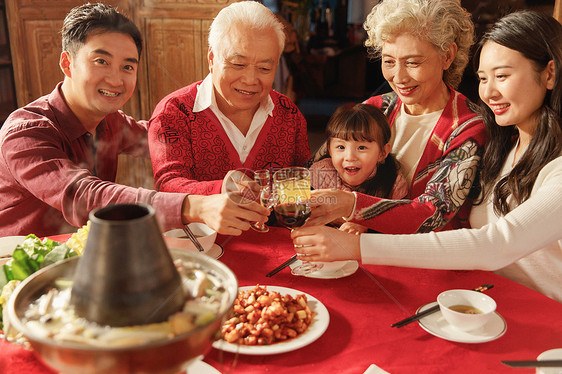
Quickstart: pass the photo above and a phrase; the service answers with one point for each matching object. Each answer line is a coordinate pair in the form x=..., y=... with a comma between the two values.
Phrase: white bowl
x=466, y=321
x=178, y=239
x=551, y=354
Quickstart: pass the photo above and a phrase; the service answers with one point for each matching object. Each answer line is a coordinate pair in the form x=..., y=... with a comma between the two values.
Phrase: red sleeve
x=38, y=161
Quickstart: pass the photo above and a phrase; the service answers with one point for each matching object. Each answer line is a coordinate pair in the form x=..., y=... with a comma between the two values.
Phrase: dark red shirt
x=53, y=172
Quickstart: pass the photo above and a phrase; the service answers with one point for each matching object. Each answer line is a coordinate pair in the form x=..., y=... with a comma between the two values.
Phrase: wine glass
x=292, y=195
x=291, y=207
x=265, y=197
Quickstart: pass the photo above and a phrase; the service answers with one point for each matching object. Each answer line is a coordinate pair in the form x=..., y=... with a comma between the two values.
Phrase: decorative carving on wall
x=176, y=55
x=45, y=49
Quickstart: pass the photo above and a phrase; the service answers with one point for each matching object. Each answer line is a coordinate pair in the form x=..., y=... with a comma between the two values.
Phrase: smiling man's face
x=244, y=71
x=101, y=77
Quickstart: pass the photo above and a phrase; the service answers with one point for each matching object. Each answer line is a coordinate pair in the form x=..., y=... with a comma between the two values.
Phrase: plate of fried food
x=270, y=320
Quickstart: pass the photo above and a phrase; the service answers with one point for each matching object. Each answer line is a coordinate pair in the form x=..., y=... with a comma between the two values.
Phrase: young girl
x=516, y=228
x=357, y=156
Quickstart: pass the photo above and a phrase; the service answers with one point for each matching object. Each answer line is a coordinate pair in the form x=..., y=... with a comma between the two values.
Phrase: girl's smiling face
x=356, y=161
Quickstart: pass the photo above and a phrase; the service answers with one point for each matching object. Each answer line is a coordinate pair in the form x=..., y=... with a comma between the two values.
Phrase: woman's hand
x=227, y=214
x=321, y=243
x=329, y=205
x=353, y=228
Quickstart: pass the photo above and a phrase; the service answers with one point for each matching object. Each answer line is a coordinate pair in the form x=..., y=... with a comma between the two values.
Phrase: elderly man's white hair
x=249, y=14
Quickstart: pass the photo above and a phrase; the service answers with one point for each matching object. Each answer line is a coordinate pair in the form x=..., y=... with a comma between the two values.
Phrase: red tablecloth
x=362, y=307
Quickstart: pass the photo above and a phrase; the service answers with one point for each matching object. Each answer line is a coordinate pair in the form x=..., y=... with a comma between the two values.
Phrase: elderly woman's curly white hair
x=439, y=22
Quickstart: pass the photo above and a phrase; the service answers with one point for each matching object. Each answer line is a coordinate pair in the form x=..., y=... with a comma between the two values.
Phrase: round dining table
x=362, y=307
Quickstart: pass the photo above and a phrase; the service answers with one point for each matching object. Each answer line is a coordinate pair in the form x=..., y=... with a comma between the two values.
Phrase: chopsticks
x=193, y=239
x=433, y=309
x=282, y=266
x=534, y=363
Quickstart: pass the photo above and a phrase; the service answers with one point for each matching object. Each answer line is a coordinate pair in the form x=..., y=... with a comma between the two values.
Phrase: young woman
x=517, y=231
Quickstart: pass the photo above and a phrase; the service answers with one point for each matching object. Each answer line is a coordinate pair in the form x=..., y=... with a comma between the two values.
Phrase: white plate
x=435, y=324
x=349, y=268
x=215, y=251
x=200, y=367
x=551, y=354
x=8, y=244
x=319, y=324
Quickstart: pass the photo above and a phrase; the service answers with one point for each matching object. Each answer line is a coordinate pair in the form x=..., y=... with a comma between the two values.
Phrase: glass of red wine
x=292, y=196
x=292, y=204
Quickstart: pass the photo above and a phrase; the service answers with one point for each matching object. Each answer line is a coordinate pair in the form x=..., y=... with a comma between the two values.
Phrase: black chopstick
x=193, y=239
x=282, y=266
x=534, y=363
x=433, y=309
x=417, y=316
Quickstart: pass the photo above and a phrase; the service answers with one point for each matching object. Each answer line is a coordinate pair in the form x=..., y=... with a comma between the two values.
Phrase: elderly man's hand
x=228, y=214
x=330, y=205
x=322, y=243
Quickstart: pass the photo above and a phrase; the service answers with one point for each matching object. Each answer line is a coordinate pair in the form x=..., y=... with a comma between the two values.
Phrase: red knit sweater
x=438, y=198
x=192, y=153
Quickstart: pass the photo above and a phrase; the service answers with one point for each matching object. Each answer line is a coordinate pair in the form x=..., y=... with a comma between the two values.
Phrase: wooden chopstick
x=282, y=266
x=433, y=309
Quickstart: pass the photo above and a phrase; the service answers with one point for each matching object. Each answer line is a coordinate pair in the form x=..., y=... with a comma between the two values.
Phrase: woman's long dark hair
x=537, y=37
x=363, y=122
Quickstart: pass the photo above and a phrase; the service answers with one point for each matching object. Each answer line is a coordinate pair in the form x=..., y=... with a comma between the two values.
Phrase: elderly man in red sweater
x=232, y=120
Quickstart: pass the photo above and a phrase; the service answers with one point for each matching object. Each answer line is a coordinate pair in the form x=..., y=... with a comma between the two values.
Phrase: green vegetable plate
x=28, y=254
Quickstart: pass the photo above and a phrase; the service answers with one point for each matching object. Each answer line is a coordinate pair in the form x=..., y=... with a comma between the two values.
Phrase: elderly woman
x=517, y=230
x=232, y=119
x=436, y=136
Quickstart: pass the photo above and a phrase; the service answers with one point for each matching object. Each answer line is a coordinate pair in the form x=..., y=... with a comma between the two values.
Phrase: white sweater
x=525, y=245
